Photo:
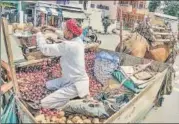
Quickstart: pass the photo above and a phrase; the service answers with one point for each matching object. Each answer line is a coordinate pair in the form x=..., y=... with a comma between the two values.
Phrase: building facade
x=71, y=3
x=132, y=11
x=109, y=8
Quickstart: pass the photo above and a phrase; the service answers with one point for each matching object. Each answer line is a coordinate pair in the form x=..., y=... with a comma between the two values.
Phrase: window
x=123, y=3
x=100, y=6
x=134, y=4
x=92, y=6
x=106, y=7
x=114, y=2
x=141, y=5
x=80, y=2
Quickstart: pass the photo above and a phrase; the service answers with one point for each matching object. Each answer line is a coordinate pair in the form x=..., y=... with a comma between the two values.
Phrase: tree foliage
x=153, y=5
x=5, y=4
x=171, y=8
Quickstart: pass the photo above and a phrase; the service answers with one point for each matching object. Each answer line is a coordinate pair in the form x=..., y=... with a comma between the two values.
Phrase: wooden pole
x=10, y=55
x=121, y=25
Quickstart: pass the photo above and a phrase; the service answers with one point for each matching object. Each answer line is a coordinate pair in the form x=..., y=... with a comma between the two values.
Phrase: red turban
x=73, y=27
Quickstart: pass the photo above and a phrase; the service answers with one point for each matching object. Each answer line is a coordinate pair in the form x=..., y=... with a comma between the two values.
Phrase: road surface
x=169, y=112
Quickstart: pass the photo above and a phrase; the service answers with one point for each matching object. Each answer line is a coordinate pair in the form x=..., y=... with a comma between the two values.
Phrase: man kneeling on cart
x=74, y=81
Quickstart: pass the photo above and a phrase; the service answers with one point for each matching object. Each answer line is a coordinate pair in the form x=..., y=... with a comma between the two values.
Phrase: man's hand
x=5, y=87
x=7, y=68
x=48, y=28
x=35, y=30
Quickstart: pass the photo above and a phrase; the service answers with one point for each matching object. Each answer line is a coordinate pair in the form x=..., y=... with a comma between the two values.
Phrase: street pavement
x=169, y=112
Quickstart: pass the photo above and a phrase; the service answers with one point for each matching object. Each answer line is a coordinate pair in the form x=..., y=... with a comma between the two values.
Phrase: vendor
x=74, y=81
x=6, y=86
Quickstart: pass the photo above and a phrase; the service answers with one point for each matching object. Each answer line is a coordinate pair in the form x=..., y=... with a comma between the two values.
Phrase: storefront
x=41, y=16
x=78, y=15
x=47, y=14
x=10, y=13
x=130, y=16
x=52, y=17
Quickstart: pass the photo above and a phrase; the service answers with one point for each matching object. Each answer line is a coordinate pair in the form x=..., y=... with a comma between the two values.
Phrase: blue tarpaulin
x=9, y=113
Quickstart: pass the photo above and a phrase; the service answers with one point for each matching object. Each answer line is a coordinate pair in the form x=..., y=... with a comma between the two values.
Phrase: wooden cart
x=134, y=111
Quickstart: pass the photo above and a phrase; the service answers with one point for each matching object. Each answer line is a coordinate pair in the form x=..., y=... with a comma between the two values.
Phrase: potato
x=61, y=114
x=86, y=121
x=83, y=117
x=95, y=120
x=40, y=118
x=63, y=118
x=70, y=117
x=90, y=118
x=75, y=119
x=102, y=120
x=54, y=119
x=61, y=121
x=47, y=119
x=69, y=122
x=79, y=121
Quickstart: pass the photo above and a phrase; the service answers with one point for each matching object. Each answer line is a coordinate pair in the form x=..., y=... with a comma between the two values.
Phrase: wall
x=71, y=3
x=112, y=7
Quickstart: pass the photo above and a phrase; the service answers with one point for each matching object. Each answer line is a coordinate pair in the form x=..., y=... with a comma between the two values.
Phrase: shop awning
x=42, y=9
x=77, y=15
x=53, y=11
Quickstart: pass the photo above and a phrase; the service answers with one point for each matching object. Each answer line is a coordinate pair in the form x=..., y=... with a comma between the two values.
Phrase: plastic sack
x=9, y=113
x=105, y=64
x=129, y=84
x=112, y=102
x=106, y=56
x=87, y=108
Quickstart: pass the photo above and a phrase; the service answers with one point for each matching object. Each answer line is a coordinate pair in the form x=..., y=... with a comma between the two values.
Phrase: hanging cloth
x=42, y=18
x=52, y=20
x=9, y=114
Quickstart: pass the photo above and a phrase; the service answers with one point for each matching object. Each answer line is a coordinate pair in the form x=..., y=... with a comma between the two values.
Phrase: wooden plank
x=10, y=55
x=160, y=28
x=30, y=62
x=160, y=33
x=25, y=110
x=121, y=26
x=163, y=40
x=141, y=102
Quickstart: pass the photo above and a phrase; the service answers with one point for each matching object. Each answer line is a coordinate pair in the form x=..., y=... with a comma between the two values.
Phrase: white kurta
x=72, y=63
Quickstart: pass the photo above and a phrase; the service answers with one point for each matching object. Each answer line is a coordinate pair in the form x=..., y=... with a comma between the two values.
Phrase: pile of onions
x=32, y=79
x=89, y=62
x=95, y=86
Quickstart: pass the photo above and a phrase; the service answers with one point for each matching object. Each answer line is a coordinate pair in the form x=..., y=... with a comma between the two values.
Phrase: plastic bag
x=105, y=64
x=106, y=56
x=129, y=84
x=87, y=108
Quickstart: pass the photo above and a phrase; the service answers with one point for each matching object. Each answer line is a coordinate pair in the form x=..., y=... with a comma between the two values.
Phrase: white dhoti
x=65, y=91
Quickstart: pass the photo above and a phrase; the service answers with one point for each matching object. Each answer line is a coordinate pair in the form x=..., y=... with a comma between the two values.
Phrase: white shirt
x=72, y=61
